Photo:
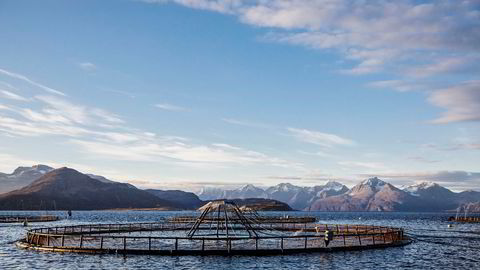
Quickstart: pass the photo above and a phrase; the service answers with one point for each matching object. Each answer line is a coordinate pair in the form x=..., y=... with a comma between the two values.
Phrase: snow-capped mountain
x=283, y=192
x=22, y=176
x=413, y=189
x=371, y=194
x=368, y=186
x=245, y=192
x=434, y=195
x=297, y=197
x=211, y=193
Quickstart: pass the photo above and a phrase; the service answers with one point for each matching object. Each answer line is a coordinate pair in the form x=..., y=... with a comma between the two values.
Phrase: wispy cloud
x=451, y=65
x=405, y=38
x=317, y=153
x=422, y=159
x=398, y=85
x=32, y=82
x=170, y=107
x=462, y=102
x=10, y=95
x=362, y=164
x=103, y=134
x=319, y=138
x=400, y=33
x=162, y=149
x=245, y=123
x=87, y=66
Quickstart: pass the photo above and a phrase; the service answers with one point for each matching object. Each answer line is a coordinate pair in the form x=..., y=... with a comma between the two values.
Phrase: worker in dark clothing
x=328, y=237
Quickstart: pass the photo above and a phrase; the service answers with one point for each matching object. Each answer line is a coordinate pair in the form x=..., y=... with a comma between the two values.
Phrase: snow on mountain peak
x=412, y=189
x=249, y=187
x=333, y=185
x=42, y=169
x=374, y=182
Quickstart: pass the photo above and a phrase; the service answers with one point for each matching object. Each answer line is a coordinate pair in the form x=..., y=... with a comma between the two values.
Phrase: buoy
x=449, y=225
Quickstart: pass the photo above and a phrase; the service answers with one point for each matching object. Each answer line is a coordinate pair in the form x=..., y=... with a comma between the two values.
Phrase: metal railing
x=99, y=238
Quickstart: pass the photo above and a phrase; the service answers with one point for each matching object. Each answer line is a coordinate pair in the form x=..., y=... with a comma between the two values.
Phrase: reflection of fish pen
x=221, y=229
x=26, y=218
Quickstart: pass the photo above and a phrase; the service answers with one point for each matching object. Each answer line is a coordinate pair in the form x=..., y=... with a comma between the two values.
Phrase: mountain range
x=45, y=188
x=372, y=194
x=42, y=187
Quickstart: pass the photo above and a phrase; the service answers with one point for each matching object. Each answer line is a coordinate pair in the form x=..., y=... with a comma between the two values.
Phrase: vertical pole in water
x=218, y=220
x=63, y=240
x=81, y=241
x=281, y=244
x=149, y=243
x=256, y=243
x=101, y=242
x=203, y=244
x=344, y=242
x=359, y=240
x=229, y=245
x=226, y=219
x=124, y=243
x=305, y=242
x=176, y=243
x=384, y=241
x=373, y=238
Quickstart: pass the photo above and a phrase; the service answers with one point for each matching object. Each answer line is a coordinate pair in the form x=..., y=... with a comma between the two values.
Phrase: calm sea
x=436, y=246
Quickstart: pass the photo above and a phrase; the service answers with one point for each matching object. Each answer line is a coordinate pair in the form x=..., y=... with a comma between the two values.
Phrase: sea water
x=435, y=246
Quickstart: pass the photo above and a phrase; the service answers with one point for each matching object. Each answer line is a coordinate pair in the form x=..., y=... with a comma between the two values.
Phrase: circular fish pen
x=27, y=218
x=221, y=229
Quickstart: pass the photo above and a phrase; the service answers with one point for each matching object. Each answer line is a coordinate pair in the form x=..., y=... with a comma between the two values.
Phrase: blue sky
x=182, y=94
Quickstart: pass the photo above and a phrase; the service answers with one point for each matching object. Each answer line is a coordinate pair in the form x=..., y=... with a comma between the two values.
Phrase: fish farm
x=27, y=218
x=221, y=229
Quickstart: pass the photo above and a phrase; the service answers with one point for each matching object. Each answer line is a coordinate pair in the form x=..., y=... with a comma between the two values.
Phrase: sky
x=192, y=93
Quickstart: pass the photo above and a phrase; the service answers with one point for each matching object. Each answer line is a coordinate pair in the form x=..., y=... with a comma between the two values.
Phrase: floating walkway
x=25, y=218
x=465, y=219
x=221, y=229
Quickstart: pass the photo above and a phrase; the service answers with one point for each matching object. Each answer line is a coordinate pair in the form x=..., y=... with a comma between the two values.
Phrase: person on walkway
x=328, y=237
